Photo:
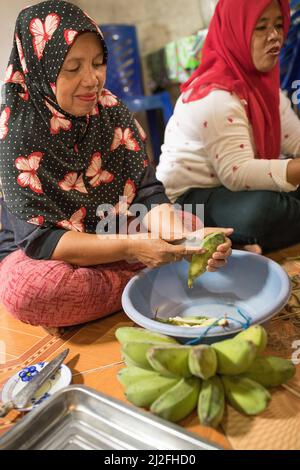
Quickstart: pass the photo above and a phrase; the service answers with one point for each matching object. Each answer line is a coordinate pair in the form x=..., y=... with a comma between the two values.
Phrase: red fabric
x=56, y=294
x=227, y=65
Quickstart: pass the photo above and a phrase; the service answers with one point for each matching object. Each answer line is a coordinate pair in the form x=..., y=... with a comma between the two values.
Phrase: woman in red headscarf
x=233, y=141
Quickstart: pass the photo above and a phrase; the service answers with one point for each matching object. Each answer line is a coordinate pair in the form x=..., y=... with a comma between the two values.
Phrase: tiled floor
x=94, y=356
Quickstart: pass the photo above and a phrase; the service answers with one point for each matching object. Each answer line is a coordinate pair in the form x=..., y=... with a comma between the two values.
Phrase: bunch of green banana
x=171, y=379
x=199, y=262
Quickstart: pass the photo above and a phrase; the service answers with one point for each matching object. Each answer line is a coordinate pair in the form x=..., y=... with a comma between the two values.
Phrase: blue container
x=250, y=287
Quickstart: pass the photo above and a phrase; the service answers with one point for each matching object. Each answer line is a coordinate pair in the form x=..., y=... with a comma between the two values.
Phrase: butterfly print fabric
x=56, y=169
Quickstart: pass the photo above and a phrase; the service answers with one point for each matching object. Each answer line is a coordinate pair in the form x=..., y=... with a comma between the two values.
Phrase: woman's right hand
x=157, y=252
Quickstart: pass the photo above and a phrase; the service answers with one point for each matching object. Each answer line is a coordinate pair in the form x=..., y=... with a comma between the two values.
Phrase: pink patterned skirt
x=57, y=294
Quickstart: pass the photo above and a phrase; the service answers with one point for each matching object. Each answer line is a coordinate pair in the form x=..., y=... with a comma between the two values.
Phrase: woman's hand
x=219, y=258
x=154, y=253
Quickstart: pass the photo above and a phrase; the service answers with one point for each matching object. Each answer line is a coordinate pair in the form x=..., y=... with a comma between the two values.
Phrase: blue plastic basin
x=251, y=284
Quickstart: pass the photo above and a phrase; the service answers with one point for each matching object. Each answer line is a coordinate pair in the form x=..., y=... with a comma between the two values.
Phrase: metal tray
x=79, y=418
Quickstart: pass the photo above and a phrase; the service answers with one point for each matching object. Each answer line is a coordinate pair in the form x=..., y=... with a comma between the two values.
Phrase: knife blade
x=22, y=398
x=189, y=242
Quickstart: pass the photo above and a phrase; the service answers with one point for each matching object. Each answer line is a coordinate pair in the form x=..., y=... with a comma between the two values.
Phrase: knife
x=22, y=398
x=190, y=241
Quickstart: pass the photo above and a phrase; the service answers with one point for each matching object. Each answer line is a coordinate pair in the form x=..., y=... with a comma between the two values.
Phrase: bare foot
x=55, y=331
x=252, y=248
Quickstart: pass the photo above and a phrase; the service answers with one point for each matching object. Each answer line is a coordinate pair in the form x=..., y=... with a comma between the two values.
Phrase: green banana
x=211, y=403
x=271, y=371
x=179, y=401
x=135, y=343
x=234, y=357
x=199, y=262
x=170, y=361
x=145, y=392
x=245, y=395
x=129, y=362
x=203, y=361
x=126, y=334
x=136, y=352
x=131, y=375
x=257, y=334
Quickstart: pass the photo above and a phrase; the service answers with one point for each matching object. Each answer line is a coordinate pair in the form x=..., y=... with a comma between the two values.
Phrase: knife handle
x=5, y=408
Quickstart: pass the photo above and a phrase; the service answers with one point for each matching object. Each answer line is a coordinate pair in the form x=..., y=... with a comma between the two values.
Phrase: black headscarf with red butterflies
x=56, y=169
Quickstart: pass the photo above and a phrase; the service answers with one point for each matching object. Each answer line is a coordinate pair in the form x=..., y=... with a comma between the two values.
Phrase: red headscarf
x=227, y=65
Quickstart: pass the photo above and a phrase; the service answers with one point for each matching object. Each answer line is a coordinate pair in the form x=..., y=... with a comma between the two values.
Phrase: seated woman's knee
x=263, y=213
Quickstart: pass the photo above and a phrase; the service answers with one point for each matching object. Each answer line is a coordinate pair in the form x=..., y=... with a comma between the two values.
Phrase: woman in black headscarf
x=69, y=150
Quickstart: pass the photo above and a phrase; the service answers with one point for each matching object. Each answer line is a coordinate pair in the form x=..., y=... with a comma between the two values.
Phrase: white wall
x=9, y=10
x=207, y=8
x=158, y=21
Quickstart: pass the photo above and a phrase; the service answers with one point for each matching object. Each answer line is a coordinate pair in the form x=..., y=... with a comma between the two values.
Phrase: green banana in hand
x=271, y=371
x=170, y=361
x=234, y=357
x=145, y=392
x=179, y=401
x=245, y=395
x=199, y=262
x=132, y=374
x=257, y=334
x=126, y=334
x=203, y=361
x=211, y=403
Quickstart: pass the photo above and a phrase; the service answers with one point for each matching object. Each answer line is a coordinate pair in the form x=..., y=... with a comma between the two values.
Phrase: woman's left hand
x=219, y=258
